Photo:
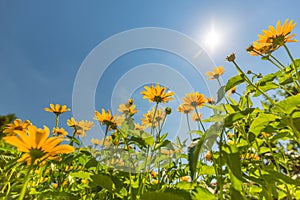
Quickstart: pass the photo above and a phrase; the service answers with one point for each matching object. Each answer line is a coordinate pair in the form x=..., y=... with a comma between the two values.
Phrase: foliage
x=251, y=150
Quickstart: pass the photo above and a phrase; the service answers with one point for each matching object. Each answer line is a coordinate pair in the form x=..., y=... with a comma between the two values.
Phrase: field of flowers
x=245, y=150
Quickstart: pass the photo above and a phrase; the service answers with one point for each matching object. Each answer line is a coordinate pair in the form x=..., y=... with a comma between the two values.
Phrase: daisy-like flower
x=210, y=100
x=185, y=178
x=105, y=118
x=273, y=38
x=157, y=94
x=185, y=108
x=37, y=146
x=139, y=127
x=96, y=142
x=194, y=99
x=232, y=91
x=59, y=131
x=57, y=109
x=128, y=108
x=80, y=127
x=196, y=118
x=216, y=73
x=148, y=117
x=17, y=125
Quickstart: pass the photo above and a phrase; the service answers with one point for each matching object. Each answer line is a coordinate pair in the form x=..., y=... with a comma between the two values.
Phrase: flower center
x=36, y=154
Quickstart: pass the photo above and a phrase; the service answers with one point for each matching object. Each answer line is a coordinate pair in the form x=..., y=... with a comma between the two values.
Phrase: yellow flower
x=119, y=120
x=84, y=181
x=17, y=125
x=185, y=178
x=80, y=127
x=210, y=100
x=194, y=99
x=185, y=108
x=153, y=174
x=157, y=94
x=139, y=127
x=128, y=108
x=231, y=142
x=208, y=156
x=266, y=135
x=155, y=182
x=96, y=141
x=216, y=73
x=55, y=185
x=230, y=135
x=232, y=91
x=279, y=35
x=148, y=119
x=60, y=131
x=57, y=109
x=273, y=38
x=105, y=118
x=36, y=145
x=196, y=118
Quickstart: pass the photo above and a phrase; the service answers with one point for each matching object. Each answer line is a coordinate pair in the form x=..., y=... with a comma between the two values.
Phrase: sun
x=212, y=38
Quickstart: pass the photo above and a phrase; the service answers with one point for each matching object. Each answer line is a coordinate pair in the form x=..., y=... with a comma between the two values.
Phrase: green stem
x=56, y=120
x=294, y=65
x=188, y=123
x=250, y=83
x=281, y=65
x=105, y=134
x=220, y=176
x=197, y=113
x=23, y=191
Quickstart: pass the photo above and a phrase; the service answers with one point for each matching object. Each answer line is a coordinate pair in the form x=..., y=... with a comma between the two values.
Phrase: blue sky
x=44, y=43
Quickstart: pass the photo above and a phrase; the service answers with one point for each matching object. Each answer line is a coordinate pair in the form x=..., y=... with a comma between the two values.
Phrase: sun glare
x=212, y=39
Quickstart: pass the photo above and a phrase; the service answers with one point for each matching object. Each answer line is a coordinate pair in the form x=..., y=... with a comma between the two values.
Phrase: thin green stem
x=294, y=65
x=197, y=113
x=189, y=126
x=105, y=134
x=56, y=120
x=250, y=83
x=23, y=190
x=281, y=65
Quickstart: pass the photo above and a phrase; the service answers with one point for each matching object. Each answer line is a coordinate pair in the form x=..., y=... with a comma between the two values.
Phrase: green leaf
x=288, y=105
x=215, y=118
x=148, y=138
x=221, y=93
x=283, y=178
x=91, y=163
x=265, y=87
x=260, y=122
x=59, y=195
x=161, y=195
x=207, y=170
x=231, y=118
x=268, y=77
x=234, y=81
x=104, y=181
x=82, y=175
x=203, y=193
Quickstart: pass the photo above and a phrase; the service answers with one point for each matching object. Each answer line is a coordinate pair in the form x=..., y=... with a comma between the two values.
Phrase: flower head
x=150, y=120
x=37, y=145
x=194, y=99
x=105, y=118
x=232, y=90
x=57, y=109
x=128, y=108
x=196, y=118
x=216, y=73
x=157, y=94
x=185, y=108
x=80, y=127
x=60, y=131
x=273, y=38
x=17, y=125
